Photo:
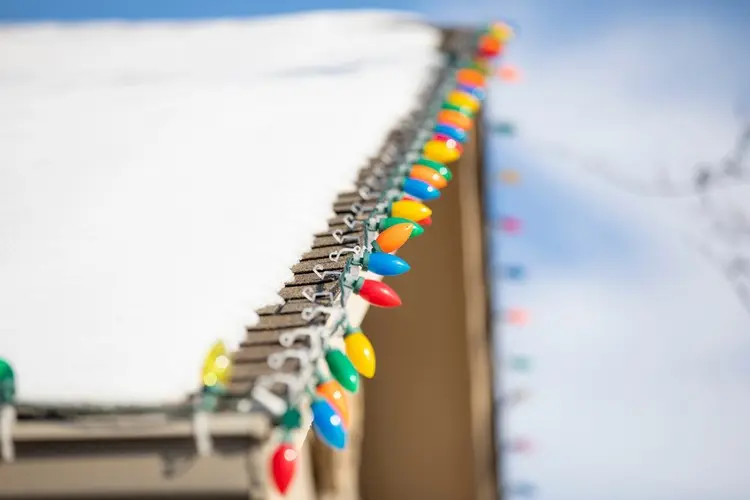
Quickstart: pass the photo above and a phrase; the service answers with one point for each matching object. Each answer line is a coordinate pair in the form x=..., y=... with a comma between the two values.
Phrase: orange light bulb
x=394, y=237
x=509, y=176
x=428, y=175
x=470, y=77
x=489, y=46
x=334, y=393
x=451, y=117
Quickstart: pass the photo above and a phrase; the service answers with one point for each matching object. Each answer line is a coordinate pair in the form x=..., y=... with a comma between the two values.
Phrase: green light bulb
x=7, y=382
x=342, y=370
x=461, y=109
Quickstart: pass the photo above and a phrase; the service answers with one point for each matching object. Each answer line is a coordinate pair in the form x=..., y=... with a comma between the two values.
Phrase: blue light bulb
x=385, y=264
x=420, y=189
x=454, y=133
x=475, y=91
x=328, y=425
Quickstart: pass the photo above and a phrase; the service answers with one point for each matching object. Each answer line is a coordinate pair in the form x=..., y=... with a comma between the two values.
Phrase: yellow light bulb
x=360, y=353
x=441, y=152
x=412, y=210
x=502, y=31
x=217, y=366
x=463, y=100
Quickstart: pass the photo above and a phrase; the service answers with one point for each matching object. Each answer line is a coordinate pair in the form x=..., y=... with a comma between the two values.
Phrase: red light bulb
x=426, y=222
x=376, y=293
x=283, y=466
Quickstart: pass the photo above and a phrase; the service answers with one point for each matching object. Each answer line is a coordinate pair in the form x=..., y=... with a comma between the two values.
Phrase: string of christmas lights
x=400, y=214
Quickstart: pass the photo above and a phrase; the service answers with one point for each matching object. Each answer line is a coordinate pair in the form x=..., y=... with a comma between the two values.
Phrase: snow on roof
x=157, y=181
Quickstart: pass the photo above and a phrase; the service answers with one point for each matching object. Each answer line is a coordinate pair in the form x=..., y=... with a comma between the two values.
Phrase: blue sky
x=559, y=14
x=559, y=228
x=636, y=341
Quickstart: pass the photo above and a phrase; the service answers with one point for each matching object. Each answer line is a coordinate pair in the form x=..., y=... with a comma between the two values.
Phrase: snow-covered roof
x=158, y=180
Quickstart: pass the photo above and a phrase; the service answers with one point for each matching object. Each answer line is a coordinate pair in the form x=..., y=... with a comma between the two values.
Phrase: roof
x=162, y=181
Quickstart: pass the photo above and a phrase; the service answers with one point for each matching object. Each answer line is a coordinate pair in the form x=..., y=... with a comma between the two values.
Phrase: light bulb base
x=355, y=284
x=403, y=169
x=291, y=419
x=395, y=195
x=364, y=260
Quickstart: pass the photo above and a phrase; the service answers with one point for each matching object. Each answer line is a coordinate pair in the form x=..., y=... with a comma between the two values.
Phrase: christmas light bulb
x=384, y=264
x=502, y=31
x=376, y=293
x=508, y=73
x=393, y=238
x=449, y=141
x=459, y=109
x=436, y=166
x=489, y=46
x=217, y=366
x=459, y=98
x=454, y=133
x=334, y=394
x=360, y=351
x=328, y=424
x=426, y=222
x=384, y=224
x=477, y=92
x=7, y=383
x=503, y=128
x=420, y=189
x=428, y=175
x=440, y=151
x=469, y=76
x=412, y=210
x=452, y=117
x=482, y=65
x=283, y=466
x=342, y=370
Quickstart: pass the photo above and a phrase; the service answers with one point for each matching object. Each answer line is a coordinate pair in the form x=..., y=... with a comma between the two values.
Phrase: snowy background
x=639, y=349
x=158, y=181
